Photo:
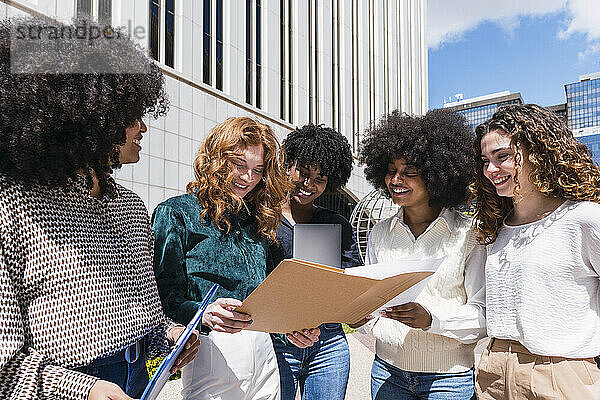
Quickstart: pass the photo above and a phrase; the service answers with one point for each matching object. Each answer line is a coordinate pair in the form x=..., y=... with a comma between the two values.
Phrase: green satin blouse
x=190, y=255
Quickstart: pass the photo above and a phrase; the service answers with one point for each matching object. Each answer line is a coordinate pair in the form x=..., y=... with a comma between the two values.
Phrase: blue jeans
x=131, y=377
x=389, y=382
x=322, y=370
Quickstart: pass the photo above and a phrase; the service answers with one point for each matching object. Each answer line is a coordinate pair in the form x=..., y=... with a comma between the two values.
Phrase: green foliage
x=152, y=366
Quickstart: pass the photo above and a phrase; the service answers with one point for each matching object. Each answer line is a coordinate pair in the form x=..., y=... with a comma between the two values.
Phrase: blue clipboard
x=163, y=373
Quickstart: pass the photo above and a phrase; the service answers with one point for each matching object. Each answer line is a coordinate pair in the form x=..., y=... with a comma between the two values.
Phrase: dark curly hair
x=438, y=144
x=55, y=122
x=322, y=147
x=561, y=166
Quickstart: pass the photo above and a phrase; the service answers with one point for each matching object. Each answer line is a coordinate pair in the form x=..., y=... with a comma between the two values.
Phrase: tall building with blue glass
x=583, y=111
x=479, y=109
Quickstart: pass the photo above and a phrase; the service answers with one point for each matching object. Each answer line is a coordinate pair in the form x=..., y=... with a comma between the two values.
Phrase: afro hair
x=438, y=144
x=57, y=121
x=322, y=147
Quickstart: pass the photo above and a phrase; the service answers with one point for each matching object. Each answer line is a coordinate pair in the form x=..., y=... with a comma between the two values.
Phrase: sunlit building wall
x=343, y=63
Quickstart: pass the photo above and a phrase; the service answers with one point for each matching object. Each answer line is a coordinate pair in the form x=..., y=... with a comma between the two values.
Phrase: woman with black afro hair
x=425, y=348
x=79, y=306
x=319, y=160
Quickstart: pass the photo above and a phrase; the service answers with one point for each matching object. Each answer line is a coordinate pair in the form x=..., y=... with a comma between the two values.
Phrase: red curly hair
x=213, y=175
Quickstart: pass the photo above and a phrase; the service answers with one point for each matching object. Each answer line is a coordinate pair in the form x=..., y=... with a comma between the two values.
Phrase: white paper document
x=386, y=270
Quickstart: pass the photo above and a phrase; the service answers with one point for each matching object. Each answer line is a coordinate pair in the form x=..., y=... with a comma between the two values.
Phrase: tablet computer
x=318, y=243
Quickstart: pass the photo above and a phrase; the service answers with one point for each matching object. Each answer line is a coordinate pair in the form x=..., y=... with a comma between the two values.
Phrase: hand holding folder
x=299, y=294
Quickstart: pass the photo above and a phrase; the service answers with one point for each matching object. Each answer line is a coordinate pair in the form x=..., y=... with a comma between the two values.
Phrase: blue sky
x=477, y=47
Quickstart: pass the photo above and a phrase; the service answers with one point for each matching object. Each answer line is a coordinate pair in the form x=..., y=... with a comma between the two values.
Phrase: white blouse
x=543, y=285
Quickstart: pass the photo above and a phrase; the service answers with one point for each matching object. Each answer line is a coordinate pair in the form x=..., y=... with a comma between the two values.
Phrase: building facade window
x=477, y=115
x=290, y=62
x=162, y=32
x=254, y=52
x=583, y=104
x=100, y=10
x=311, y=66
x=105, y=12
x=286, y=67
x=335, y=64
x=282, y=59
x=84, y=8
x=355, y=89
x=155, y=29
x=219, y=45
x=258, y=54
x=316, y=58
x=249, y=51
x=170, y=33
x=206, y=38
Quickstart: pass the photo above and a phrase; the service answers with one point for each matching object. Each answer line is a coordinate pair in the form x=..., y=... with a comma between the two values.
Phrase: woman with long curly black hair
x=425, y=348
x=318, y=160
x=79, y=306
x=536, y=193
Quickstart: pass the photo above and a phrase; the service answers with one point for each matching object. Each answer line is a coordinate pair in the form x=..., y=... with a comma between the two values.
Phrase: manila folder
x=299, y=295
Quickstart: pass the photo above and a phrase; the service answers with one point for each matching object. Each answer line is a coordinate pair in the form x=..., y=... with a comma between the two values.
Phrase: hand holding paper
x=382, y=271
x=411, y=314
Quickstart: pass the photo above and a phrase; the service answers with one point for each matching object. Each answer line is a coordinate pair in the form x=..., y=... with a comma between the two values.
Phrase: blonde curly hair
x=561, y=166
x=213, y=175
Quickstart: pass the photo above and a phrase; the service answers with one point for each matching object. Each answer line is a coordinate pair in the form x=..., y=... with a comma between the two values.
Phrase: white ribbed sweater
x=543, y=284
x=409, y=349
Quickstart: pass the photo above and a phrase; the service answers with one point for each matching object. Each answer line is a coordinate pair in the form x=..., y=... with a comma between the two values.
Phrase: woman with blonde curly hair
x=219, y=232
x=537, y=192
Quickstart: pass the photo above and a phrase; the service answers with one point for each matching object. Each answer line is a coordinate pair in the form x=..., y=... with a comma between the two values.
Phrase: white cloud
x=583, y=18
x=449, y=20
x=591, y=49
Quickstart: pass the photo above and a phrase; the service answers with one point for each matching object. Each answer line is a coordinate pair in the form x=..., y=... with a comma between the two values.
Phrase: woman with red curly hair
x=537, y=192
x=219, y=232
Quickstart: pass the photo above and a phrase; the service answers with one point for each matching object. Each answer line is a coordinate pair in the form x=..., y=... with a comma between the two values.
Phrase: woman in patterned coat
x=79, y=306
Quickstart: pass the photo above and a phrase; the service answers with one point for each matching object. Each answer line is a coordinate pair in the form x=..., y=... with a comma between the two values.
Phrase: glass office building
x=560, y=109
x=479, y=109
x=583, y=111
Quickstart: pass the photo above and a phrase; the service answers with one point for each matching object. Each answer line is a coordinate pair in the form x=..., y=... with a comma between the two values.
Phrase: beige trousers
x=508, y=371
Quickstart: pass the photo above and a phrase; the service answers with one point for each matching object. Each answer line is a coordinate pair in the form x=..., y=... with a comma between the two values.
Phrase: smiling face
x=498, y=157
x=405, y=184
x=308, y=182
x=247, y=168
x=499, y=164
x=130, y=152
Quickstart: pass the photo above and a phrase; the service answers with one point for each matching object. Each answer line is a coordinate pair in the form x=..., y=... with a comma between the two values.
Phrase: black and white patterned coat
x=76, y=284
